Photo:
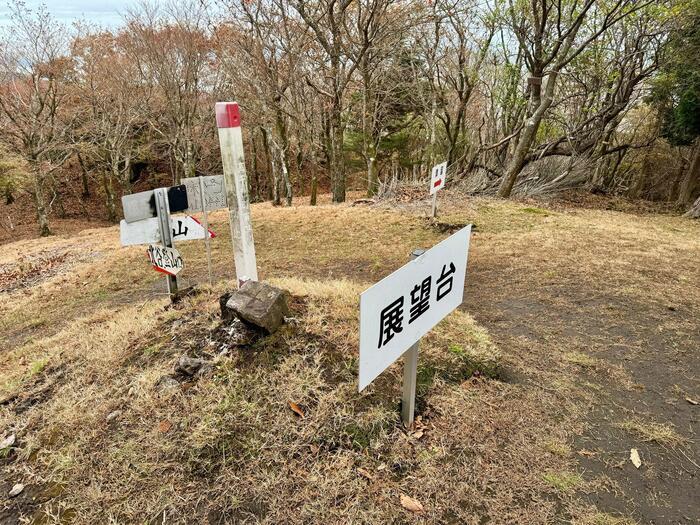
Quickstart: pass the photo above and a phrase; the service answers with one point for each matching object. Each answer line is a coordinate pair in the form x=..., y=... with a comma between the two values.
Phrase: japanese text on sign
x=164, y=259
x=401, y=308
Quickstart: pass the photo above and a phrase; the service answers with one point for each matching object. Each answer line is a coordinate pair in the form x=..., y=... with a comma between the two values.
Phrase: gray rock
x=167, y=383
x=189, y=366
x=113, y=415
x=16, y=490
x=258, y=304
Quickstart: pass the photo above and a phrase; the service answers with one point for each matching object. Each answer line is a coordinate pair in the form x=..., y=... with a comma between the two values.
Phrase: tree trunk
x=691, y=180
x=275, y=183
x=337, y=160
x=527, y=136
x=83, y=177
x=40, y=202
x=372, y=177
x=694, y=211
x=109, y=197
x=268, y=163
x=283, y=150
x=314, y=188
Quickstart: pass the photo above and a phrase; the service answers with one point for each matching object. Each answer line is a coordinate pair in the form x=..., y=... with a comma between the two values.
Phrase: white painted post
x=410, y=374
x=166, y=237
x=205, y=217
x=228, y=121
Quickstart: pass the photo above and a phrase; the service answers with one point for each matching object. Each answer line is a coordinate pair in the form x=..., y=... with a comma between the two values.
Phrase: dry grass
x=661, y=433
x=84, y=343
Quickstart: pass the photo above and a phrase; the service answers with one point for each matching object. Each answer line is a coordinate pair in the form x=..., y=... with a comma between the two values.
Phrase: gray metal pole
x=434, y=210
x=166, y=237
x=206, y=227
x=410, y=374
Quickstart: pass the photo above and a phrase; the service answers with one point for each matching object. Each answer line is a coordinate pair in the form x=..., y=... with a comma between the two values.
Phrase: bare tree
x=34, y=75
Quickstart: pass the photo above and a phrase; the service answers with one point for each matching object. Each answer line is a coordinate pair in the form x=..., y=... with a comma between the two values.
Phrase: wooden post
x=228, y=121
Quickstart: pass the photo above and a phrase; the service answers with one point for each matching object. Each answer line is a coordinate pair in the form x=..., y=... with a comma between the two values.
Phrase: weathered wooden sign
x=164, y=259
x=140, y=206
x=210, y=188
x=401, y=308
x=147, y=231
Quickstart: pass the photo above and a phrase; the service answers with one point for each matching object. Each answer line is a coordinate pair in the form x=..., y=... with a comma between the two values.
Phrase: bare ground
x=583, y=344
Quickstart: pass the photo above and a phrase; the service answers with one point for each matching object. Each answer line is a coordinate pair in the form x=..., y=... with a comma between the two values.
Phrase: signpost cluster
x=148, y=220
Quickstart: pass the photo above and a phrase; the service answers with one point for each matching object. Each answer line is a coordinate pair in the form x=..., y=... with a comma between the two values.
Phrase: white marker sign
x=437, y=178
x=214, y=193
x=397, y=311
x=147, y=232
x=164, y=259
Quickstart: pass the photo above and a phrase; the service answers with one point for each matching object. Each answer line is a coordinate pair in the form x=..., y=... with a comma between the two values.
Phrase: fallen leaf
x=7, y=442
x=16, y=490
x=164, y=426
x=417, y=435
x=411, y=504
x=691, y=401
x=365, y=473
x=634, y=458
x=587, y=453
x=296, y=409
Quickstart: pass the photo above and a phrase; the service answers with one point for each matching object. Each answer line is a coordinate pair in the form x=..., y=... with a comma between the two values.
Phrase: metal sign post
x=228, y=122
x=206, y=227
x=401, y=308
x=410, y=373
x=166, y=239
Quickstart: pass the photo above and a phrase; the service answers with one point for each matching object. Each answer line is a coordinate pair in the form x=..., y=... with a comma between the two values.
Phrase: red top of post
x=227, y=115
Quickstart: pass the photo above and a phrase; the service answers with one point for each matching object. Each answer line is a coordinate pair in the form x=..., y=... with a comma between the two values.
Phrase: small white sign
x=164, y=259
x=147, y=232
x=188, y=229
x=214, y=193
x=437, y=178
x=401, y=308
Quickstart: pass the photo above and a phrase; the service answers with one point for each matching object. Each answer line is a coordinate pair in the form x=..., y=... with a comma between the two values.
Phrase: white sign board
x=164, y=259
x=214, y=193
x=140, y=206
x=437, y=177
x=147, y=232
x=401, y=308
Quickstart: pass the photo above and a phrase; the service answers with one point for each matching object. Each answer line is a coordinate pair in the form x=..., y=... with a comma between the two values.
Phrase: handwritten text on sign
x=401, y=308
x=164, y=259
x=214, y=193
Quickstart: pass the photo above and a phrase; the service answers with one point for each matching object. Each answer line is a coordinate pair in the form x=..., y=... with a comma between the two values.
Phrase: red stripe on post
x=227, y=115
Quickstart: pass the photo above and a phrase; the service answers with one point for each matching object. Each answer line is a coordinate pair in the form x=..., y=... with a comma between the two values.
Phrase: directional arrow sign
x=140, y=206
x=164, y=259
x=437, y=179
x=147, y=232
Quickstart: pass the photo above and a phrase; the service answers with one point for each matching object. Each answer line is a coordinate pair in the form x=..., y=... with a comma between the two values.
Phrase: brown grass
x=90, y=341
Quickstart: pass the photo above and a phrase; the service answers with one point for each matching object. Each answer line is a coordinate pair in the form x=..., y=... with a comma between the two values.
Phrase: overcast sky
x=101, y=12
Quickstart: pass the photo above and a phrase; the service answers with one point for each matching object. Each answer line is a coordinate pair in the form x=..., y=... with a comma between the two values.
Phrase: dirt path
x=632, y=335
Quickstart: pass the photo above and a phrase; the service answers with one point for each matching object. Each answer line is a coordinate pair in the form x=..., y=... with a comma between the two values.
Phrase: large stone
x=258, y=304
